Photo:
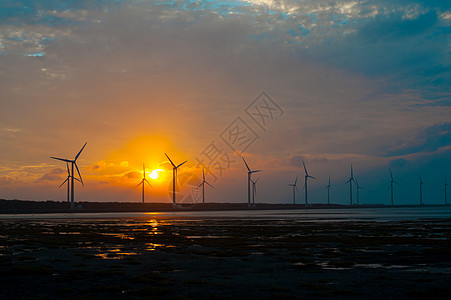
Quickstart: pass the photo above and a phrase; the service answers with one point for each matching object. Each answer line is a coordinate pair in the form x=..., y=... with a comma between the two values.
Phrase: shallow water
x=307, y=215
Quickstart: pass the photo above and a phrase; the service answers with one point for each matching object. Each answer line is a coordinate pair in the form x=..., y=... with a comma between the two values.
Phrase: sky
x=330, y=83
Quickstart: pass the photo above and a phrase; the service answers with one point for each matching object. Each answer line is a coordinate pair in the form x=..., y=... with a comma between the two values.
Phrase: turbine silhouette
x=174, y=178
x=73, y=163
x=249, y=174
x=67, y=180
x=306, y=177
x=350, y=181
x=446, y=186
x=203, y=186
x=295, y=187
x=421, y=190
x=254, y=190
x=142, y=182
x=391, y=187
x=358, y=188
x=328, y=192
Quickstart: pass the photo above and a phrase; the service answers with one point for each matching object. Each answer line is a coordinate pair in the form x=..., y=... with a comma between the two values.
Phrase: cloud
x=427, y=139
x=52, y=175
x=7, y=180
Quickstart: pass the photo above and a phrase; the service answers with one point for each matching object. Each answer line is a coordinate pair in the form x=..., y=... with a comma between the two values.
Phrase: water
x=307, y=215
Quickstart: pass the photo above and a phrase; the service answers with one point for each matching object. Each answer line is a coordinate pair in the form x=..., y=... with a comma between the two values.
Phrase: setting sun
x=154, y=173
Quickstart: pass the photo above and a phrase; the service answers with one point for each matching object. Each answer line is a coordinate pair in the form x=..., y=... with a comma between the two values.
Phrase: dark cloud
x=53, y=175
x=428, y=139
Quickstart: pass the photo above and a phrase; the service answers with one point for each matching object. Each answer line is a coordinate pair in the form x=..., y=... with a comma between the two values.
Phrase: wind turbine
x=144, y=180
x=351, y=179
x=294, y=186
x=249, y=174
x=203, y=186
x=358, y=188
x=73, y=163
x=446, y=186
x=421, y=190
x=67, y=180
x=174, y=178
x=391, y=186
x=306, y=177
x=328, y=192
x=254, y=190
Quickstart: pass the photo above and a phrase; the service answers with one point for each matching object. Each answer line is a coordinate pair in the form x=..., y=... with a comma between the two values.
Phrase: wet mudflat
x=197, y=258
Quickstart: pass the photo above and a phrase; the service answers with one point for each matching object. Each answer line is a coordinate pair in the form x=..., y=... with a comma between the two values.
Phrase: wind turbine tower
x=358, y=188
x=67, y=180
x=350, y=181
x=391, y=187
x=174, y=179
x=254, y=190
x=68, y=183
x=446, y=186
x=306, y=177
x=73, y=163
x=294, y=186
x=421, y=190
x=249, y=174
x=144, y=180
x=328, y=192
x=203, y=186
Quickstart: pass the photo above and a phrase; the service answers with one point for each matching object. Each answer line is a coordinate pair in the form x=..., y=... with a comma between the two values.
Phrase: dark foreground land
x=25, y=207
x=147, y=258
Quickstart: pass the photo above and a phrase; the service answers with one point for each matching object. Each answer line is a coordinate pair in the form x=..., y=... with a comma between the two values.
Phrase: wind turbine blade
x=257, y=179
x=311, y=177
x=79, y=175
x=170, y=160
x=246, y=164
x=181, y=163
x=203, y=174
x=256, y=171
x=296, y=181
x=305, y=169
x=140, y=183
x=78, y=154
x=67, y=167
x=209, y=185
x=201, y=184
x=348, y=181
x=64, y=182
x=147, y=182
x=62, y=159
x=144, y=171
x=329, y=180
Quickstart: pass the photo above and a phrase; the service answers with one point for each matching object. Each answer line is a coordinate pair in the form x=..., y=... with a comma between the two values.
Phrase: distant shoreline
x=41, y=207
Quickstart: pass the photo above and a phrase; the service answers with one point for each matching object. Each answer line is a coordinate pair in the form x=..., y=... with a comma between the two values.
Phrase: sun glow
x=154, y=174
